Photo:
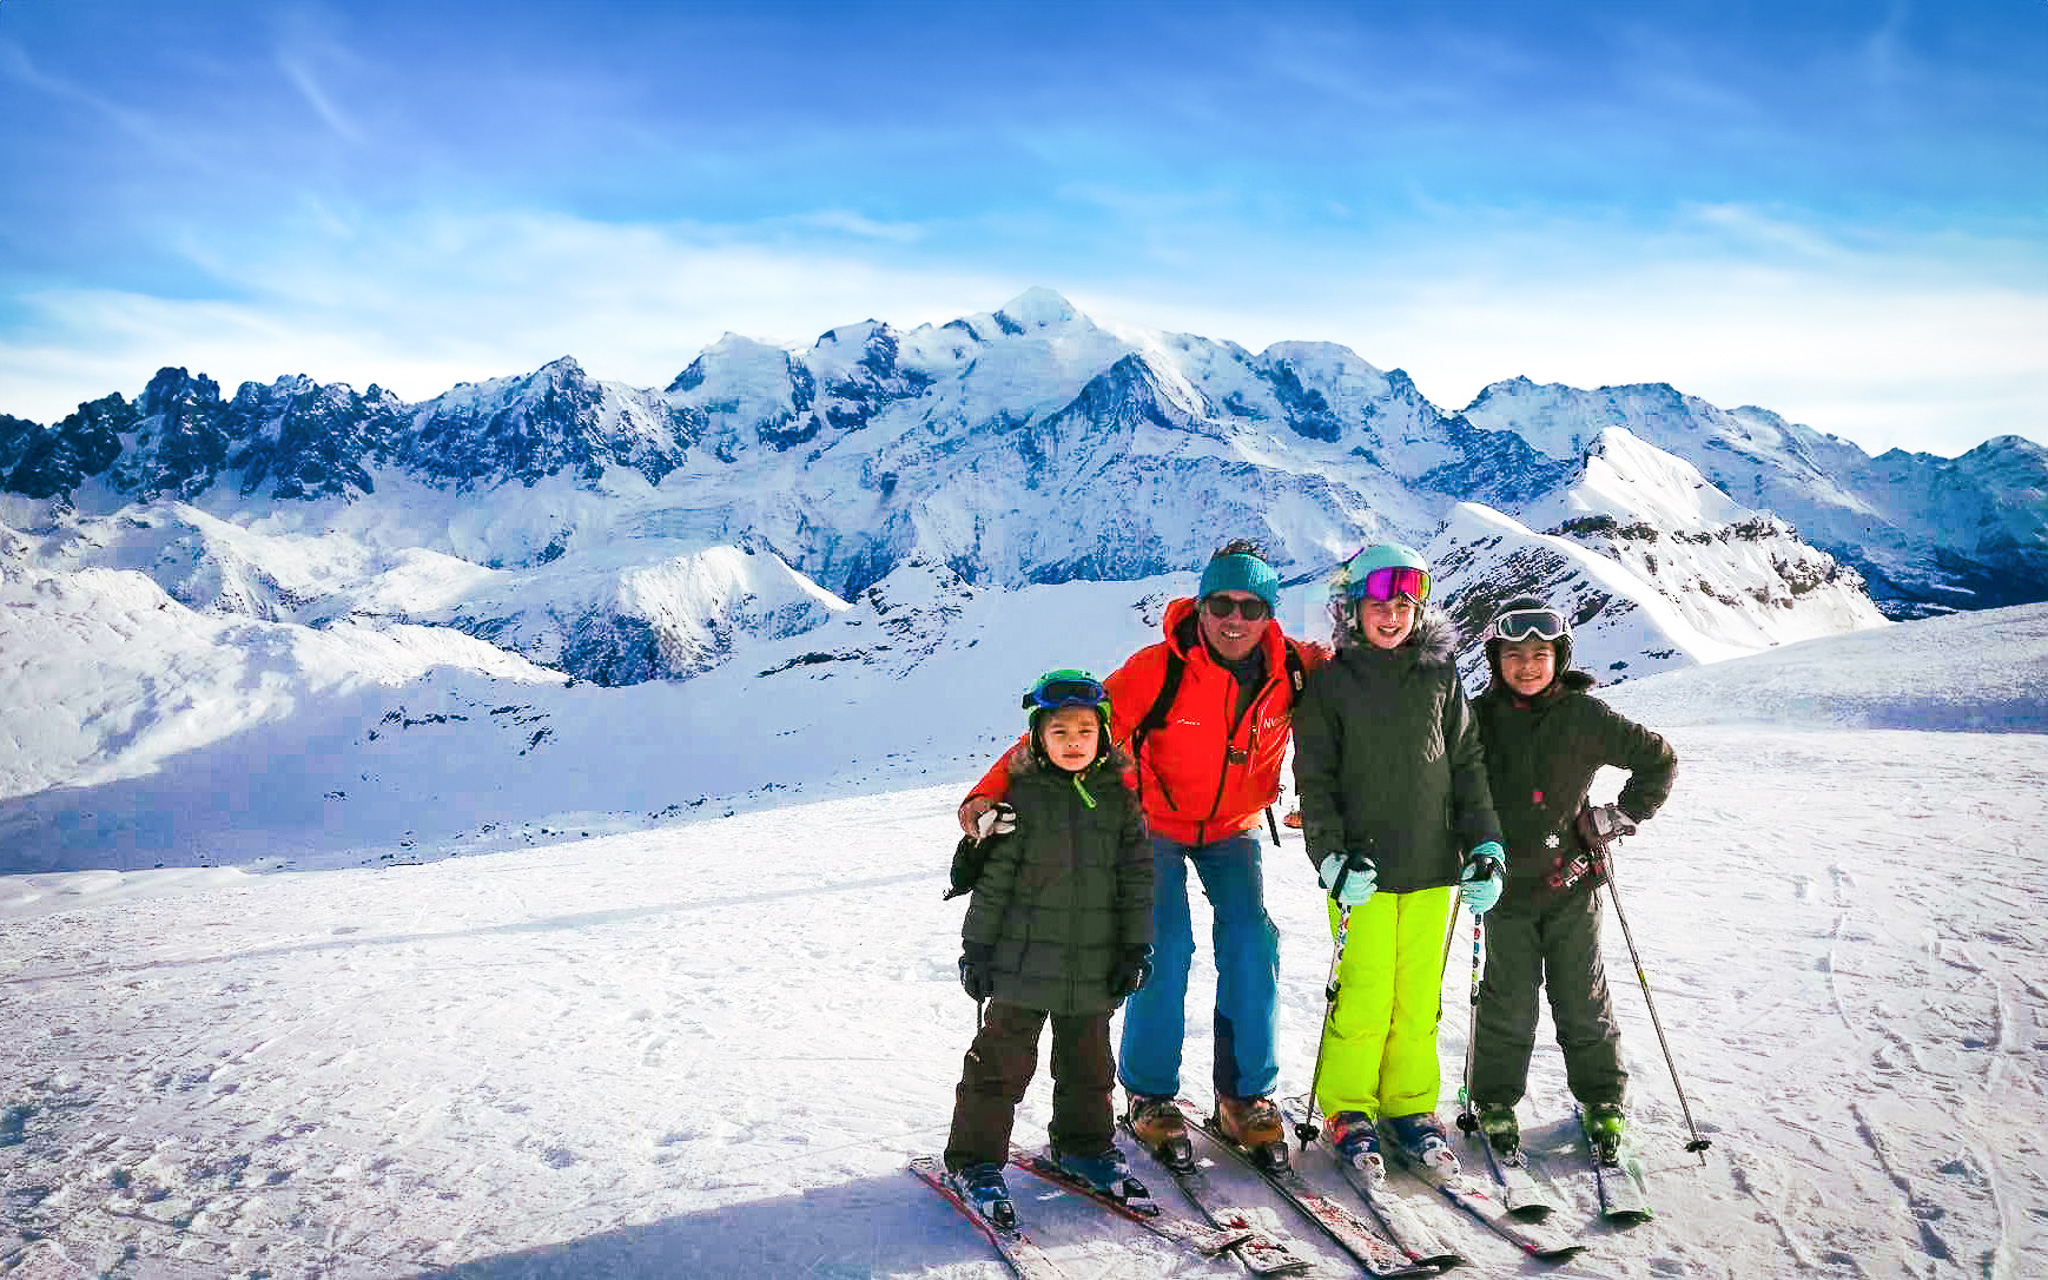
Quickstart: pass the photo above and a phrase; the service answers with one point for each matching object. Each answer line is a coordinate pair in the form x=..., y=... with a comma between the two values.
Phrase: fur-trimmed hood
x=1114, y=762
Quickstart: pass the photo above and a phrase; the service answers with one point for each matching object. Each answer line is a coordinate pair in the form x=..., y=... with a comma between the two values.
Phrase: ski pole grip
x=1352, y=862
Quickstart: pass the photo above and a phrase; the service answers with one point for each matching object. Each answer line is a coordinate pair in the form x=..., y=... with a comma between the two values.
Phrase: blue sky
x=1835, y=210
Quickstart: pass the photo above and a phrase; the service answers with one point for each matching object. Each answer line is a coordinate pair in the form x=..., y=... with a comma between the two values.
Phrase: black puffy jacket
x=1062, y=896
x=1541, y=756
x=1387, y=760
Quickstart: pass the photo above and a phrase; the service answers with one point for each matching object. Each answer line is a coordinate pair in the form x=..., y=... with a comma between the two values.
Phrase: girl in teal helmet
x=1390, y=583
x=1399, y=823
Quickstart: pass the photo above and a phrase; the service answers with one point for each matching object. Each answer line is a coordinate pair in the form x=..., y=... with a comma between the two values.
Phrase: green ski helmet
x=1067, y=687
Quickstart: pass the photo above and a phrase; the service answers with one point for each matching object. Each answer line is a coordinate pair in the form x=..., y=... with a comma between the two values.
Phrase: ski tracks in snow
x=1904, y=891
x=716, y=1044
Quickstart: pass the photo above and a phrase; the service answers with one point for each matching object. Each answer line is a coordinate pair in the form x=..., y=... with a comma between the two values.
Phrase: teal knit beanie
x=1241, y=573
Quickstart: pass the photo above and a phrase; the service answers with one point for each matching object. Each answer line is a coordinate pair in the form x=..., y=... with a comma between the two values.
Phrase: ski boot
x=1357, y=1143
x=1110, y=1173
x=1423, y=1145
x=1605, y=1125
x=1497, y=1122
x=983, y=1188
x=1254, y=1124
x=1155, y=1120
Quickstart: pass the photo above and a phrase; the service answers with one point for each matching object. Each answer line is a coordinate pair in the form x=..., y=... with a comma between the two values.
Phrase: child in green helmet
x=1398, y=823
x=1059, y=929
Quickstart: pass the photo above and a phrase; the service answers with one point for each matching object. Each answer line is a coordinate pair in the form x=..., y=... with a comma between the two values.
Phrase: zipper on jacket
x=1243, y=754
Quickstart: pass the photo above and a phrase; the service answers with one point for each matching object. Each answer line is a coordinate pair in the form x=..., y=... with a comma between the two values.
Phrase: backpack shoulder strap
x=1155, y=717
x=1297, y=673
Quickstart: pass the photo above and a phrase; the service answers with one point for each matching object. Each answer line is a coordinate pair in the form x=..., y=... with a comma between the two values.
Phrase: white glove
x=998, y=820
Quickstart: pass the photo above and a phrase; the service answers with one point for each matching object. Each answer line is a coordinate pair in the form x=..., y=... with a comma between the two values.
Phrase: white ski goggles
x=1527, y=624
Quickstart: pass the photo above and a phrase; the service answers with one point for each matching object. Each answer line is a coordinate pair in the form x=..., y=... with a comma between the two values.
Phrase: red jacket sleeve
x=995, y=784
x=1132, y=688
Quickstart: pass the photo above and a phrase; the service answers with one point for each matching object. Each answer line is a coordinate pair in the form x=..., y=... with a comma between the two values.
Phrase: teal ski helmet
x=1378, y=572
x=1382, y=571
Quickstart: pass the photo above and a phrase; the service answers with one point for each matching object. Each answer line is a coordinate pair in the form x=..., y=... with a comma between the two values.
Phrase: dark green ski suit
x=1541, y=756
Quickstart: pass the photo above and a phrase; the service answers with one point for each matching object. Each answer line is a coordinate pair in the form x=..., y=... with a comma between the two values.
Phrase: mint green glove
x=1486, y=873
x=1357, y=884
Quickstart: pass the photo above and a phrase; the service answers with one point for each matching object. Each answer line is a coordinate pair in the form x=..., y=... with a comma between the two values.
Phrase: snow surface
x=707, y=1047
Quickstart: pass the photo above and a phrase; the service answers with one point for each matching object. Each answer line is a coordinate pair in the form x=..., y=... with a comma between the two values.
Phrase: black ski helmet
x=1521, y=618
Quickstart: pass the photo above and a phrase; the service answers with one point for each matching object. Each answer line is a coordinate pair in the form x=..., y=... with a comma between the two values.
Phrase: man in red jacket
x=1203, y=777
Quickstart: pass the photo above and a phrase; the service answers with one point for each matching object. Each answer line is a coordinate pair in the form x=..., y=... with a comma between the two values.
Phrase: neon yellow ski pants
x=1379, y=1042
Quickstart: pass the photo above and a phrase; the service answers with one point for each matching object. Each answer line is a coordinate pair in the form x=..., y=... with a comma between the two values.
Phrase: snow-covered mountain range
x=888, y=500
x=594, y=527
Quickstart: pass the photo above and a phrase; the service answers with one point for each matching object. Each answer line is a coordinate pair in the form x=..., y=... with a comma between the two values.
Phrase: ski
x=1261, y=1252
x=1399, y=1216
x=1351, y=1233
x=1023, y=1254
x=1525, y=1197
x=1186, y=1232
x=1623, y=1198
x=1537, y=1239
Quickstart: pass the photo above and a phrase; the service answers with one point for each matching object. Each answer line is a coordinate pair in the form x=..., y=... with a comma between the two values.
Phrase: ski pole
x=1467, y=1121
x=1487, y=869
x=1305, y=1129
x=1273, y=826
x=1698, y=1144
x=1444, y=970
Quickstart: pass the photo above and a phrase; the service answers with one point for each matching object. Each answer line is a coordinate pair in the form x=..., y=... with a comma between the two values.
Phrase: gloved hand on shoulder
x=1133, y=970
x=998, y=820
x=977, y=977
x=1485, y=874
x=976, y=820
x=1358, y=882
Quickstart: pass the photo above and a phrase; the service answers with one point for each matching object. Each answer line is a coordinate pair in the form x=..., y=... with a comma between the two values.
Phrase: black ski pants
x=1553, y=945
x=998, y=1070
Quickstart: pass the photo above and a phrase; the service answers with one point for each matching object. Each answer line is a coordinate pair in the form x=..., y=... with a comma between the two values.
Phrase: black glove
x=977, y=978
x=1132, y=971
x=1600, y=825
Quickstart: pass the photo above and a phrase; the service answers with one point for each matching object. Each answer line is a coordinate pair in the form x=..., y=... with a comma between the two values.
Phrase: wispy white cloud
x=1928, y=344
x=15, y=65
x=302, y=79
x=314, y=57
x=857, y=224
x=419, y=306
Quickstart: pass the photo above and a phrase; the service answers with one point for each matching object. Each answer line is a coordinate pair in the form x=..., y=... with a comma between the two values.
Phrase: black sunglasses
x=1252, y=610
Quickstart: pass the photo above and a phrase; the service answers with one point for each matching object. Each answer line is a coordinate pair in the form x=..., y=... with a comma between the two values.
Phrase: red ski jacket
x=1200, y=777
